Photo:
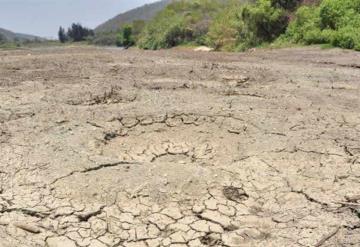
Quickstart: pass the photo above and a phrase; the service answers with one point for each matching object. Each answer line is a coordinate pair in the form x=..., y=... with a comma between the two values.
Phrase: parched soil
x=104, y=147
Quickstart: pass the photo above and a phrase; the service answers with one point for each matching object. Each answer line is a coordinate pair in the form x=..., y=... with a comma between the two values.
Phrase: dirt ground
x=104, y=147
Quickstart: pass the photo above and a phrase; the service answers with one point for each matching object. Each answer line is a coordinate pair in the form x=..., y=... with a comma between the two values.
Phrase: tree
x=62, y=35
x=79, y=33
x=125, y=37
x=263, y=22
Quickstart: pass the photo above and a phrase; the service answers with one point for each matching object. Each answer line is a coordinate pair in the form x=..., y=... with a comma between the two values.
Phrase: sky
x=43, y=17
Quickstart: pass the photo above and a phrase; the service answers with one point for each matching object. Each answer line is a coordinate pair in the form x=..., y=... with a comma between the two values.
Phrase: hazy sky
x=43, y=17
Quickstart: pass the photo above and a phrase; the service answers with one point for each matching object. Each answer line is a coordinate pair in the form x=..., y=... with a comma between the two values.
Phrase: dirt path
x=102, y=147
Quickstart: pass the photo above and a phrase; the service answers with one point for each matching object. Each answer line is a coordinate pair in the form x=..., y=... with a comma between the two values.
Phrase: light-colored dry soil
x=104, y=147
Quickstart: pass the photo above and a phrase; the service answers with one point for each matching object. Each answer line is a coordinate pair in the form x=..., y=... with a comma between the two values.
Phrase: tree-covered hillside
x=222, y=24
x=236, y=25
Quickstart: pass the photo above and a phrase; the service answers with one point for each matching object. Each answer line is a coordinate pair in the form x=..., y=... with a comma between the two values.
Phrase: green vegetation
x=242, y=26
x=222, y=24
x=62, y=35
x=125, y=37
x=180, y=22
x=334, y=22
x=75, y=33
x=25, y=44
x=235, y=25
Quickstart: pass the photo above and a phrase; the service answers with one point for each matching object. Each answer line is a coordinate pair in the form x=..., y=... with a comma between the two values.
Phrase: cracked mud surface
x=101, y=147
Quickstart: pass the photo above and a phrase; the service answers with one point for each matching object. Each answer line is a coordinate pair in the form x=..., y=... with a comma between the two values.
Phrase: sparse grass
x=41, y=44
x=327, y=46
x=10, y=46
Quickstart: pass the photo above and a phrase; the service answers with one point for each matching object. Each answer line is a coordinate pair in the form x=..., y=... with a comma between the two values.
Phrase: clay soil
x=104, y=147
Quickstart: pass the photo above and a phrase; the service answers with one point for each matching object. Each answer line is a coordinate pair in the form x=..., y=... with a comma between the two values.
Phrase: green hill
x=145, y=13
x=237, y=25
x=184, y=22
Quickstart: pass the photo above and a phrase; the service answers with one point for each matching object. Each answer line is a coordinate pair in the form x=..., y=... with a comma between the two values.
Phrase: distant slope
x=145, y=12
x=11, y=35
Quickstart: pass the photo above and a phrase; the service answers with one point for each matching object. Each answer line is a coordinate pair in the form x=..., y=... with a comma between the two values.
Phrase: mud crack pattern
x=106, y=148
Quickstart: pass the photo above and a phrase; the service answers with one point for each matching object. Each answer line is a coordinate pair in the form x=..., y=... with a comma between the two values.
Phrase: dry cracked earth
x=104, y=148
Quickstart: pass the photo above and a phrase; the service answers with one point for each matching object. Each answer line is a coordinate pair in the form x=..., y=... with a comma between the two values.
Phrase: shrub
x=305, y=28
x=335, y=22
x=263, y=21
x=347, y=37
x=181, y=22
x=165, y=31
x=125, y=37
x=225, y=29
x=334, y=14
x=243, y=26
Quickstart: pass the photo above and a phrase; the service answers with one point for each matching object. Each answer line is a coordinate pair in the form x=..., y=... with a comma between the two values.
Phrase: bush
x=335, y=14
x=243, y=26
x=335, y=22
x=347, y=37
x=225, y=29
x=305, y=28
x=263, y=21
x=165, y=31
x=125, y=37
x=181, y=22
